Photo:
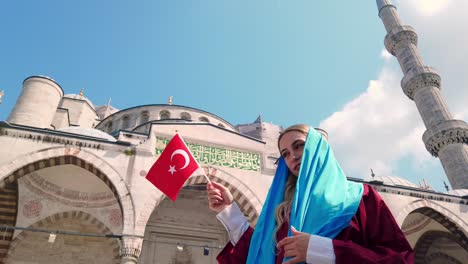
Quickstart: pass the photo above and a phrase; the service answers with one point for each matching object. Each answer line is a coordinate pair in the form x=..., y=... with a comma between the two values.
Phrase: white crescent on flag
x=184, y=154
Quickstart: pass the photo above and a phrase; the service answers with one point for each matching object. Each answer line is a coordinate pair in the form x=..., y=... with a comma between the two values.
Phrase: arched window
x=203, y=119
x=109, y=127
x=164, y=114
x=185, y=116
x=221, y=125
x=144, y=117
x=125, y=122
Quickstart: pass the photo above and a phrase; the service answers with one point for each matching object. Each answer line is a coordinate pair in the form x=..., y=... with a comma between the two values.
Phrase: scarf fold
x=324, y=200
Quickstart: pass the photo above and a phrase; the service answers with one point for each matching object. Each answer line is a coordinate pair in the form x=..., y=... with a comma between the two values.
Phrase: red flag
x=173, y=168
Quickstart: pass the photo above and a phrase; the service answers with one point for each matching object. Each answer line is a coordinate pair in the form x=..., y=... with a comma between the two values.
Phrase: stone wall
x=34, y=248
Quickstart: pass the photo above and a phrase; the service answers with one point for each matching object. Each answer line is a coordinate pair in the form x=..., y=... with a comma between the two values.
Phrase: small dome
x=396, y=181
x=79, y=97
x=90, y=132
x=459, y=192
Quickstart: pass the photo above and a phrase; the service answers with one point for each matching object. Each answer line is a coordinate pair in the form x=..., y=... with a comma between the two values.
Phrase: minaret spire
x=445, y=137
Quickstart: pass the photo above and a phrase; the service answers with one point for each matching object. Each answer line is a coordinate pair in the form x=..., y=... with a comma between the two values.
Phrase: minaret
x=445, y=137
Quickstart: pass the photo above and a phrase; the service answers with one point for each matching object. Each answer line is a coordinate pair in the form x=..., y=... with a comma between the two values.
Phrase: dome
x=460, y=192
x=79, y=97
x=396, y=181
x=139, y=116
x=90, y=132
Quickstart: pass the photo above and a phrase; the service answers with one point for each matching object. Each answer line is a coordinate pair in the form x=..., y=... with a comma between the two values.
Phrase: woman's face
x=291, y=148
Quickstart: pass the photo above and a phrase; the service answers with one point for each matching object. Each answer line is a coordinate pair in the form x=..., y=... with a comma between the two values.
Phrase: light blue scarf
x=324, y=200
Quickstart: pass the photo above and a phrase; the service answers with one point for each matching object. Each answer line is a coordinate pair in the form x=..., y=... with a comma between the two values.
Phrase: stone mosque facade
x=73, y=187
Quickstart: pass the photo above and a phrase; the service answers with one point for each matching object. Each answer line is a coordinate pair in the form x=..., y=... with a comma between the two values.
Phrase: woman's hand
x=295, y=246
x=219, y=197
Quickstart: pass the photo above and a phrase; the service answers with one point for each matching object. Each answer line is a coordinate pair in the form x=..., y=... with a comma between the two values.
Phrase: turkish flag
x=173, y=167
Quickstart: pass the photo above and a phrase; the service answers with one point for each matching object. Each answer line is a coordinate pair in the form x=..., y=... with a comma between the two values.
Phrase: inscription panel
x=209, y=155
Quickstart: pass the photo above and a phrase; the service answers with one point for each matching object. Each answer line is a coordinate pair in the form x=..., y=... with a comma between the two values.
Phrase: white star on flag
x=172, y=169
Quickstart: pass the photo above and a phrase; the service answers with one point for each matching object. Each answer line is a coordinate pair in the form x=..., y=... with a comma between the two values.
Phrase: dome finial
x=82, y=92
x=169, y=102
x=1, y=95
x=372, y=173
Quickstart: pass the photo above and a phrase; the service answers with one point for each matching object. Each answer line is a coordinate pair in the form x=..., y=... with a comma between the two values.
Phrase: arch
x=109, y=127
x=125, y=122
x=221, y=125
x=248, y=202
x=55, y=156
x=204, y=119
x=426, y=240
x=164, y=114
x=185, y=116
x=76, y=215
x=8, y=216
x=49, y=190
x=419, y=204
x=442, y=257
x=144, y=117
x=443, y=216
x=417, y=225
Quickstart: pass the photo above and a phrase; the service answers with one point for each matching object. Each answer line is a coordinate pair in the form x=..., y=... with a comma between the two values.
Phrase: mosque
x=73, y=187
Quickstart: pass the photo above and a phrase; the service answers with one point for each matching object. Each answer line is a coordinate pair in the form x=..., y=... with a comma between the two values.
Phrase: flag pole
x=206, y=177
x=204, y=174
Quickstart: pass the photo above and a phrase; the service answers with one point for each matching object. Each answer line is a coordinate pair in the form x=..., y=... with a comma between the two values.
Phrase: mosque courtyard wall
x=72, y=178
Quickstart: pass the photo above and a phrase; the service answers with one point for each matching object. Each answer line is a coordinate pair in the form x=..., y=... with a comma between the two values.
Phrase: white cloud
x=385, y=54
x=381, y=128
x=428, y=7
x=375, y=129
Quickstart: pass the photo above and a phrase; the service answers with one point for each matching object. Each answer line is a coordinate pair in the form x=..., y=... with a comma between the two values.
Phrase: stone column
x=130, y=249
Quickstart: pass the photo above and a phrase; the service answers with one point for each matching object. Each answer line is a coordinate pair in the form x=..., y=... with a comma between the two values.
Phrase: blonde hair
x=283, y=210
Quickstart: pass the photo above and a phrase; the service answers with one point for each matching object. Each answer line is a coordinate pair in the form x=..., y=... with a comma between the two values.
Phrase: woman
x=312, y=213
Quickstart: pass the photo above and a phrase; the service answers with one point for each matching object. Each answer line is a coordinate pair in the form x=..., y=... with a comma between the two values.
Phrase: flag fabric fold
x=173, y=167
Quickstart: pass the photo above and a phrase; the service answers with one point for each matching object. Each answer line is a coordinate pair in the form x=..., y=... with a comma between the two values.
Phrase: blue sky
x=295, y=61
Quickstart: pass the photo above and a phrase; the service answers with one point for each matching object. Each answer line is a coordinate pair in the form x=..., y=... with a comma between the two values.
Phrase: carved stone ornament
x=131, y=248
x=419, y=78
x=400, y=36
x=130, y=252
x=452, y=132
x=32, y=209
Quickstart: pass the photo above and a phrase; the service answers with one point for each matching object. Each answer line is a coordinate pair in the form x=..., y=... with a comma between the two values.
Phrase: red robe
x=373, y=236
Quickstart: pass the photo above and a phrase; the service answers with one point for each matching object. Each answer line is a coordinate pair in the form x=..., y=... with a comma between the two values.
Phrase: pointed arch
x=425, y=242
x=75, y=156
x=452, y=222
x=248, y=202
x=69, y=215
